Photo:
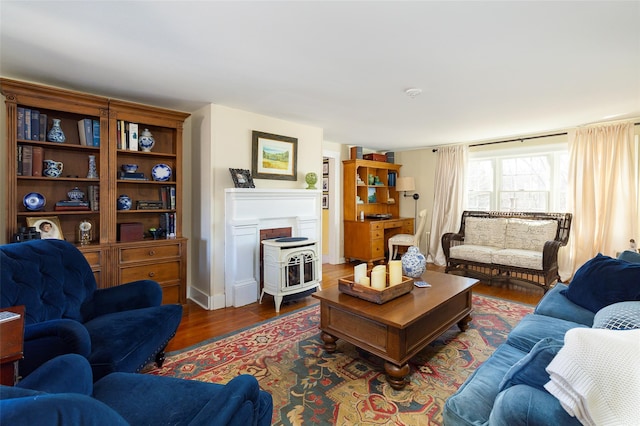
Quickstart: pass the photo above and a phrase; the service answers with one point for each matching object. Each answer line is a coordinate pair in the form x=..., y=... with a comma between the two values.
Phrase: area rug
x=348, y=387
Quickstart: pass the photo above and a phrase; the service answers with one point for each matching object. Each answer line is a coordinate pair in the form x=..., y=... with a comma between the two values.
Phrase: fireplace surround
x=247, y=212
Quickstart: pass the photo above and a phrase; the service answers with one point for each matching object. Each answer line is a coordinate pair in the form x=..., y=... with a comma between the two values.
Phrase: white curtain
x=603, y=193
x=449, y=196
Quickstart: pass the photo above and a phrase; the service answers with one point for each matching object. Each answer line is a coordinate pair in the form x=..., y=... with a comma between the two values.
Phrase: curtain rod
x=521, y=139
x=513, y=140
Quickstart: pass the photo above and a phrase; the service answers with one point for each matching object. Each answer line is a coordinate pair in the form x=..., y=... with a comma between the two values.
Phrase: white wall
x=222, y=140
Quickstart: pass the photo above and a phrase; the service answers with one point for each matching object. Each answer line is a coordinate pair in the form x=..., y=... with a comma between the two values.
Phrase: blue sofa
x=120, y=328
x=508, y=388
x=61, y=392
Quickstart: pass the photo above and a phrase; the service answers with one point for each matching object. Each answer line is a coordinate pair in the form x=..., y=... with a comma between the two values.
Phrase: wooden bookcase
x=113, y=262
x=367, y=239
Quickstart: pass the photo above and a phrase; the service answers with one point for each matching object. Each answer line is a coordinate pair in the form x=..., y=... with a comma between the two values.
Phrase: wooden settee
x=513, y=246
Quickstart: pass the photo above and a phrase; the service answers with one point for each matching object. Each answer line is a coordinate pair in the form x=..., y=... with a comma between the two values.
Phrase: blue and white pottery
x=124, y=202
x=413, y=262
x=161, y=172
x=34, y=201
x=56, y=134
x=52, y=168
x=146, y=141
x=75, y=194
x=129, y=168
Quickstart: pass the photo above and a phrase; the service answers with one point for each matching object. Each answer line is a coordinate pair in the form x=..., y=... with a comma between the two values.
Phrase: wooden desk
x=11, y=341
x=366, y=240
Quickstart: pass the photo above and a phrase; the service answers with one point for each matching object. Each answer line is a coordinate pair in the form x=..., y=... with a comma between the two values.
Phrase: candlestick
x=395, y=272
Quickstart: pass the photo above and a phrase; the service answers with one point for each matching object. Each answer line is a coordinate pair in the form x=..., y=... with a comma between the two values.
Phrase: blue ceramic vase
x=413, y=262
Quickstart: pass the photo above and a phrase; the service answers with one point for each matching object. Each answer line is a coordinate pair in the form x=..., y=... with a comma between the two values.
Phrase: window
x=519, y=179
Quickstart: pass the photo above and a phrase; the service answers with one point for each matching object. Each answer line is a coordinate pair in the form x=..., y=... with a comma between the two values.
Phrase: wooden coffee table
x=399, y=329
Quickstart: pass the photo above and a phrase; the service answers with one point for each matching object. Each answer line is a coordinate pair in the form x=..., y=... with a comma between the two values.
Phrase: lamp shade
x=405, y=184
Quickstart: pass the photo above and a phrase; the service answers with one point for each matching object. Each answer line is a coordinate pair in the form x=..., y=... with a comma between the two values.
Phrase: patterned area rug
x=348, y=387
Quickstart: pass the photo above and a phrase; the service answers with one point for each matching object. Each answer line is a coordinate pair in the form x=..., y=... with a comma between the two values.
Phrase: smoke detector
x=413, y=92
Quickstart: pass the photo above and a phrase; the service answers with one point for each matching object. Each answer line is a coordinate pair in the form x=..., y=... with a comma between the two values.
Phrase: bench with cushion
x=508, y=246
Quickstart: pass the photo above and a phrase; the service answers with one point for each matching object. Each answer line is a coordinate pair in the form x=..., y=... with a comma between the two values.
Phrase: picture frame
x=325, y=201
x=325, y=168
x=48, y=226
x=241, y=178
x=274, y=156
x=325, y=183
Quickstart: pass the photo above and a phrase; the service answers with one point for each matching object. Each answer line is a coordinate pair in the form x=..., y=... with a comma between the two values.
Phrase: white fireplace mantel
x=249, y=210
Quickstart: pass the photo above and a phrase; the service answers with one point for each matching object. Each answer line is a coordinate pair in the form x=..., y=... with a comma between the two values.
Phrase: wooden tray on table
x=347, y=286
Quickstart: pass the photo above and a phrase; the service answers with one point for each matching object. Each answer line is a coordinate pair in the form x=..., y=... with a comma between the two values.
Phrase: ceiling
x=487, y=70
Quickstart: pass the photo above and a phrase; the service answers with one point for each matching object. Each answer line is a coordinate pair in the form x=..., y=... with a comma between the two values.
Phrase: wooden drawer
x=377, y=226
x=144, y=254
x=377, y=248
x=94, y=258
x=378, y=233
x=171, y=293
x=161, y=272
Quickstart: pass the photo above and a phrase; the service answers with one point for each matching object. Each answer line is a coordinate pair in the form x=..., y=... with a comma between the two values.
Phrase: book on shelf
x=35, y=125
x=19, y=157
x=168, y=223
x=133, y=136
x=20, y=134
x=27, y=160
x=71, y=208
x=168, y=197
x=37, y=155
x=27, y=124
x=85, y=131
x=118, y=134
x=72, y=203
x=96, y=132
x=43, y=127
x=149, y=205
x=93, y=195
x=123, y=135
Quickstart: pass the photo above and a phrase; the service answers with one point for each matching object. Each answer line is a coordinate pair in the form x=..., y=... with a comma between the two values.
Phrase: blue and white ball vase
x=413, y=262
x=146, y=141
x=124, y=202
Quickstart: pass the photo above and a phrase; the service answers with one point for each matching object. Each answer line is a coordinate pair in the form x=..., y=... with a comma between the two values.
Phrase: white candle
x=365, y=281
x=379, y=277
x=359, y=271
x=395, y=272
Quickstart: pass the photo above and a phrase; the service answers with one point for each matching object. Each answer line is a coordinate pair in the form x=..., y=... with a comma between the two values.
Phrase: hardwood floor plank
x=199, y=324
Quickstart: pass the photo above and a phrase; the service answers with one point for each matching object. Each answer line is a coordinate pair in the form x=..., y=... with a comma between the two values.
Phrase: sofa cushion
x=529, y=234
x=555, y=304
x=602, y=281
x=485, y=231
x=629, y=256
x=472, y=403
x=523, y=405
x=533, y=328
x=530, y=370
x=473, y=253
x=528, y=259
x=618, y=316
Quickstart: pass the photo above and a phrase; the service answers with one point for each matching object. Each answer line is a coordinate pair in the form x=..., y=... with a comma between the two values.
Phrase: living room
x=524, y=105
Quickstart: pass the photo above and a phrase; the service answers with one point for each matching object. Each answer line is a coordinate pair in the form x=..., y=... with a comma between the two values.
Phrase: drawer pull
x=152, y=252
x=152, y=274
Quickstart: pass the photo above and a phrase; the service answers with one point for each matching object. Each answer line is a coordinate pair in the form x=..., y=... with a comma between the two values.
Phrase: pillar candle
x=379, y=277
x=365, y=281
x=395, y=272
x=359, y=271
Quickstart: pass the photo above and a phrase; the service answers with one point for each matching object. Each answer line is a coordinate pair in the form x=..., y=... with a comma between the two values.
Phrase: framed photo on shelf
x=274, y=156
x=325, y=183
x=325, y=201
x=325, y=168
x=241, y=178
x=48, y=227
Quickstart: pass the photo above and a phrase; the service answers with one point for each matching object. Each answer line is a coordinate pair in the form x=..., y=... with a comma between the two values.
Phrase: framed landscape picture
x=274, y=157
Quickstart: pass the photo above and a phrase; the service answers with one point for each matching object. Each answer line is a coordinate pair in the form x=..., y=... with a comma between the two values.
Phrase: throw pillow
x=531, y=370
x=619, y=316
x=480, y=231
x=629, y=256
x=603, y=281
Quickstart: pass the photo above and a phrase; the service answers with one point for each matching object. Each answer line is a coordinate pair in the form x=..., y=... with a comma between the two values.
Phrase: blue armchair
x=119, y=328
x=62, y=392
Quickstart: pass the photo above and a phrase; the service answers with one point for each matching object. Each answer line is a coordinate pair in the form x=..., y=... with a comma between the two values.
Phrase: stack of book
x=30, y=160
x=89, y=132
x=132, y=176
x=93, y=195
x=168, y=223
x=149, y=205
x=66, y=205
x=32, y=125
x=127, y=135
x=168, y=197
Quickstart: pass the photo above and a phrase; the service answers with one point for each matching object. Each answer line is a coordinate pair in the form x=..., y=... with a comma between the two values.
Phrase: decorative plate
x=161, y=172
x=34, y=201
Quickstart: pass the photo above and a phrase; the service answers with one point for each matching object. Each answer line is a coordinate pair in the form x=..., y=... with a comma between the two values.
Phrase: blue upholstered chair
x=62, y=392
x=119, y=328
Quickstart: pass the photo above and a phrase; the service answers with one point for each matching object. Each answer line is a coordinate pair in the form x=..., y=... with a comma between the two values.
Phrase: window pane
x=529, y=201
x=480, y=176
x=526, y=173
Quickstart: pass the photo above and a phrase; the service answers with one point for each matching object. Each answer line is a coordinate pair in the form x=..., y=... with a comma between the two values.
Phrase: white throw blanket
x=596, y=376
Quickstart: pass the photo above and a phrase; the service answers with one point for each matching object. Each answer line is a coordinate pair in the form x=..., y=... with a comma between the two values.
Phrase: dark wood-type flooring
x=199, y=324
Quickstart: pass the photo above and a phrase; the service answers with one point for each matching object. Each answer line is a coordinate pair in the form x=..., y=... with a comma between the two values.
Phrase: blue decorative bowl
x=34, y=201
x=161, y=172
x=129, y=168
